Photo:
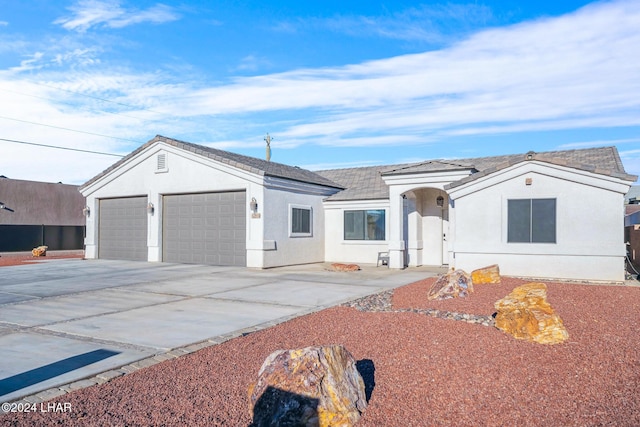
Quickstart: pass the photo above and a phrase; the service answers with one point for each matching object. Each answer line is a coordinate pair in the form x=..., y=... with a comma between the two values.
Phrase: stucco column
x=414, y=227
x=91, y=227
x=451, y=235
x=396, y=242
x=154, y=227
x=256, y=227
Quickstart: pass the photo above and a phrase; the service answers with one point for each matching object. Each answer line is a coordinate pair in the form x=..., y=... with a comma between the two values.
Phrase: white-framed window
x=364, y=224
x=531, y=221
x=300, y=221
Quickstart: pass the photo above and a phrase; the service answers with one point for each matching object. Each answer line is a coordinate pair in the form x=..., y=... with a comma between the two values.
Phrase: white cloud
x=631, y=161
x=252, y=63
x=91, y=13
x=598, y=143
x=3, y=23
x=77, y=56
x=555, y=73
x=423, y=23
x=34, y=62
x=572, y=72
x=341, y=165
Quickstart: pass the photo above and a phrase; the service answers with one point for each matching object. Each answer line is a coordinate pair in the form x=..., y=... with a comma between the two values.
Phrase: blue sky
x=336, y=84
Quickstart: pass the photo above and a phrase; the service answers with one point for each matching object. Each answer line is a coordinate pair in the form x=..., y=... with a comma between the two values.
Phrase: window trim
x=290, y=228
x=532, y=220
x=365, y=240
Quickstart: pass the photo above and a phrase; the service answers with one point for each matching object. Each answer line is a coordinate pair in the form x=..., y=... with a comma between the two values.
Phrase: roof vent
x=161, y=163
x=531, y=155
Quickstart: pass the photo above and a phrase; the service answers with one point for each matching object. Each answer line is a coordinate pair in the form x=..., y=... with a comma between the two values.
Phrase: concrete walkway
x=66, y=320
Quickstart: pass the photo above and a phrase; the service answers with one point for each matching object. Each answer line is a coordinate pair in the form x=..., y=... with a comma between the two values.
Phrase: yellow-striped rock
x=40, y=251
x=525, y=314
x=313, y=386
x=486, y=275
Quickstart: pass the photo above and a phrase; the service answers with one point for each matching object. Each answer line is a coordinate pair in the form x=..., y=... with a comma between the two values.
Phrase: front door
x=445, y=233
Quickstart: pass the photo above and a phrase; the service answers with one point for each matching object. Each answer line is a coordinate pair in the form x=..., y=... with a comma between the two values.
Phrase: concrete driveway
x=67, y=320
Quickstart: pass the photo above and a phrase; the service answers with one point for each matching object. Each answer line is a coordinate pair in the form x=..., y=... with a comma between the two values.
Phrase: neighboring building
x=633, y=196
x=632, y=239
x=180, y=202
x=632, y=226
x=43, y=214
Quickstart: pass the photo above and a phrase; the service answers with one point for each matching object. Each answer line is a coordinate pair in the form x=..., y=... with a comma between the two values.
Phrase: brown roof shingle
x=366, y=183
x=249, y=164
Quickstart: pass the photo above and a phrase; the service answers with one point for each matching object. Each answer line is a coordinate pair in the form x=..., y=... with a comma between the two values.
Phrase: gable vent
x=162, y=162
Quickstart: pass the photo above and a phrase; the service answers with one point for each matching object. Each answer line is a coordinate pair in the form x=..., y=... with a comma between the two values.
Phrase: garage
x=123, y=229
x=205, y=228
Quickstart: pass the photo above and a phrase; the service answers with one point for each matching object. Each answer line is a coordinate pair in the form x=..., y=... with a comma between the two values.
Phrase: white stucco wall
x=352, y=251
x=185, y=173
x=268, y=243
x=589, y=215
x=288, y=249
x=416, y=186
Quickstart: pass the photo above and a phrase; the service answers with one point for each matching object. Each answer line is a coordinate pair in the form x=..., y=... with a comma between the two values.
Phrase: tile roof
x=360, y=183
x=602, y=161
x=366, y=183
x=41, y=203
x=429, y=166
x=249, y=164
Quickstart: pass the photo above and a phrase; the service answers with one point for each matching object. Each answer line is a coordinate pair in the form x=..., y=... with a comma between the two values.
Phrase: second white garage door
x=206, y=228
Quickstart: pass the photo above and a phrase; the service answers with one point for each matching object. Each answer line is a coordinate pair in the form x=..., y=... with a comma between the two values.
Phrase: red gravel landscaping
x=21, y=259
x=428, y=371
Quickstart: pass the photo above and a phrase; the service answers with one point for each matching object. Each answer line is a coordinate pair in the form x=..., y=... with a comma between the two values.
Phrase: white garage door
x=207, y=228
x=122, y=232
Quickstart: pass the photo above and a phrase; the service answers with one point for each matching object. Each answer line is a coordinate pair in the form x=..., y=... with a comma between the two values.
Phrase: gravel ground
x=426, y=369
x=24, y=258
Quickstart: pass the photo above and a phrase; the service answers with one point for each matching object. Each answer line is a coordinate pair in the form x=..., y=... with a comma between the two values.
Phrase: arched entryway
x=426, y=227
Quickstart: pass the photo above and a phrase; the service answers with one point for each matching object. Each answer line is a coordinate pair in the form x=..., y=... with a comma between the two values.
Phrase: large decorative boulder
x=486, y=275
x=336, y=266
x=313, y=386
x=454, y=284
x=526, y=315
x=40, y=251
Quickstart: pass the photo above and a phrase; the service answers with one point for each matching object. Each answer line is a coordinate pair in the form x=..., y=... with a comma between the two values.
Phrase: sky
x=335, y=83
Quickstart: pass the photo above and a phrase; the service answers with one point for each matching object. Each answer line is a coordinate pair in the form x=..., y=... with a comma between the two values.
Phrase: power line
x=82, y=108
x=98, y=98
x=87, y=96
x=70, y=130
x=60, y=148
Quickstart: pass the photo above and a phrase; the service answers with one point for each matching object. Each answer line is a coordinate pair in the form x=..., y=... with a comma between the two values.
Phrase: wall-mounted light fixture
x=3, y=206
x=253, y=205
x=150, y=208
x=440, y=201
x=86, y=211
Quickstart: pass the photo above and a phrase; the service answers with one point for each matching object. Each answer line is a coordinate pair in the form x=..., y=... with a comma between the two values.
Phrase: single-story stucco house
x=554, y=214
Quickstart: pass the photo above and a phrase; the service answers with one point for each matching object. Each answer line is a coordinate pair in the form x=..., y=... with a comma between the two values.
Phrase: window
x=531, y=221
x=364, y=225
x=300, y=218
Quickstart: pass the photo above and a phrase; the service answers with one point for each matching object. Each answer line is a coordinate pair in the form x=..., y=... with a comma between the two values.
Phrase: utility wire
x=60, y=148
x=97, y=98
x=82, y=108
x=70, y=130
